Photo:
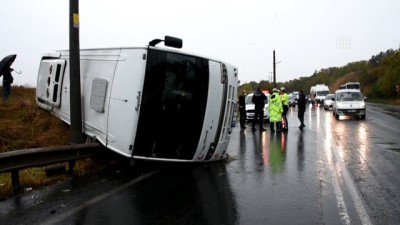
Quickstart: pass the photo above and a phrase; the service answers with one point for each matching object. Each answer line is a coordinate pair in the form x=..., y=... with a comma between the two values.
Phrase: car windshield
x=249, y=98
x=329, y=97
x=349, y=96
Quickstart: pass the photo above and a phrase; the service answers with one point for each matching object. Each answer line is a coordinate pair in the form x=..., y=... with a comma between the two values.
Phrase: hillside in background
x=378, y=77
x=23, y=125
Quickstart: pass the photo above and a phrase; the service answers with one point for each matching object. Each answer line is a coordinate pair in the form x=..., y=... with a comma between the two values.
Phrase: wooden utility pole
x=76, y=135
x=274, y=67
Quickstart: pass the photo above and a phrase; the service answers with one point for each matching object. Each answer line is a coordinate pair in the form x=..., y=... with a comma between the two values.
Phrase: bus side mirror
x=168, y=41
x=173, y=42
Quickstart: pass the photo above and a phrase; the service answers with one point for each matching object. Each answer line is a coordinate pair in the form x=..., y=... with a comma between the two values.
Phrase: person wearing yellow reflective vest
x=285, y=105
x=275, y=111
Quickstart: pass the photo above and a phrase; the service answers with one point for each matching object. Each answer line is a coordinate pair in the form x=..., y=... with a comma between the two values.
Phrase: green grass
x=23, y=126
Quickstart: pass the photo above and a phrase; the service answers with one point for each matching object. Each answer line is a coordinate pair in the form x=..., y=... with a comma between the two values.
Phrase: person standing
x=242, y=110
x=7, y=81
x=285, y=105
x=259, y=102
x=275, y=111
x=301, y=102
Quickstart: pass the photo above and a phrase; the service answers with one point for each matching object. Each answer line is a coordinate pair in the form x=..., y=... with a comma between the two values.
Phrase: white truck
x=318, y=93
x=146, y=102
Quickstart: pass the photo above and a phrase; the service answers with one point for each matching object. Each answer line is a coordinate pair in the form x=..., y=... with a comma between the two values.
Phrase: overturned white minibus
x=146, y=102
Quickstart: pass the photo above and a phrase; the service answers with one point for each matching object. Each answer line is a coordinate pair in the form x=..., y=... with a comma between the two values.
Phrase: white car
x=250, y=107
x=328, y=103
x=292, y=100
x=349, y=102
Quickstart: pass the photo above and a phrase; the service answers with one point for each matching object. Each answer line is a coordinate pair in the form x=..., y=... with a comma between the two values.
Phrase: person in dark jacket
x=259, y=102
x=242, y=110
x=7, y=81
x=301, y=103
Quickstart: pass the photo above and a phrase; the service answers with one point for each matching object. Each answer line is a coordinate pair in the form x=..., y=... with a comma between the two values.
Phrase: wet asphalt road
x=332, y=172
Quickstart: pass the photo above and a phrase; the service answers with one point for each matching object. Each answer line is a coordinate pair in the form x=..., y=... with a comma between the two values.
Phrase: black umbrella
x=7, y=61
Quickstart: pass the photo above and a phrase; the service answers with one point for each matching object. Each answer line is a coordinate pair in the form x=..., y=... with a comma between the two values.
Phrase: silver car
x=328, y=103
x=349, y=102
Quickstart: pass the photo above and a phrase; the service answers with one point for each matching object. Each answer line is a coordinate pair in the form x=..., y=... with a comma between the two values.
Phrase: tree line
x=378, y=77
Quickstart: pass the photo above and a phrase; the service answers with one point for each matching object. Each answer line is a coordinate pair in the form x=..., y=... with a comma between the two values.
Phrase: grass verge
x=23, y=126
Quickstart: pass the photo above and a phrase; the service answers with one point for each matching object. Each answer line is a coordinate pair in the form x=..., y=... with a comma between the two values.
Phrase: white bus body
x=351, y=85
x=318, y=93
x=146, y=103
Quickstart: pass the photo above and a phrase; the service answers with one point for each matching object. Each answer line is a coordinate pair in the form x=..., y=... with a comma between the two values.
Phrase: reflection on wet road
x=332, y=172
x=289, y=176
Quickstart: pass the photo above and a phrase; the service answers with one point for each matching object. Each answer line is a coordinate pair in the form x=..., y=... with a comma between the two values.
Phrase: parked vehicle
x=328, y=102
x=147, y=102
x=349, y=102
x=308, y=98
x=295, y=94
x=292, y=100
x=318, y=93
x=250, y=107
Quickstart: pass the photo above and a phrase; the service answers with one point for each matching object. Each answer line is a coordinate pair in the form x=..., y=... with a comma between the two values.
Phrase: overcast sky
x=307, y=35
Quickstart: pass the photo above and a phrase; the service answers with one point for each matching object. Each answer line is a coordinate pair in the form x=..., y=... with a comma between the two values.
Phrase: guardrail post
x=15, y=181
x=71, y=165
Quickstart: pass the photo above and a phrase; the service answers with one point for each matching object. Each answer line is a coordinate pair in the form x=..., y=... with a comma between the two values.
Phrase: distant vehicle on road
x=351, y=85
x=349, y=102
x=292, y=100
x=250, y=107
x=318, y=93
x=328, y=102
x=296, y=95
x=308, y=98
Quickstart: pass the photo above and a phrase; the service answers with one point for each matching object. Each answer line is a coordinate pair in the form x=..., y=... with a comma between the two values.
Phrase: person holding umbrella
x=5, y=71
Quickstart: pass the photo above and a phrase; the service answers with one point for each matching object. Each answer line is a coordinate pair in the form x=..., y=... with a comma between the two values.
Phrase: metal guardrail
x=16, y=160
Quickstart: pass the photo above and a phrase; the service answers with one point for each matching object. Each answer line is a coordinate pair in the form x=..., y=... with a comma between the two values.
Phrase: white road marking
x=337, y=162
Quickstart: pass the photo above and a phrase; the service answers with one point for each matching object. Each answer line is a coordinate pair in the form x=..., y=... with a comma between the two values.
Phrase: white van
x=349, y=102
x=318, y=93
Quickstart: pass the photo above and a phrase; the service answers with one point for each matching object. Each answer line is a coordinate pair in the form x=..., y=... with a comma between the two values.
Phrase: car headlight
x=362, y=105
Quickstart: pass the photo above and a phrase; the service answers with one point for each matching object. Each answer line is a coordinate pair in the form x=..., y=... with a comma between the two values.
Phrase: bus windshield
x=353, y=86
x=173, y=105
